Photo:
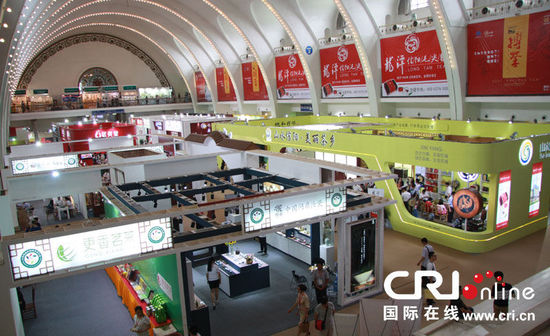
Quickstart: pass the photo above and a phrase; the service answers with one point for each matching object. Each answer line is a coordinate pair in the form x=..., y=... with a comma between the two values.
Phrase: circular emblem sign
x=19, y=166
x=412, y=43
x=342, y=54
x=156, y=234
x=71, y=161
x=309, y=50
x=256, y=215
x=336, y=199
x=292, y=61
x=467, y=177
x=467, y=203
x=31, y=258
x=525, y=152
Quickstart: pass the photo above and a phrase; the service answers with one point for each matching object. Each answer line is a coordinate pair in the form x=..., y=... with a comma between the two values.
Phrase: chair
x=49, y=211
x=29, y=312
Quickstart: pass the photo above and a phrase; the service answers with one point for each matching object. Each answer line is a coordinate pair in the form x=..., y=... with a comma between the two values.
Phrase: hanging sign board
x=291, y=80
x=253, y=82
x=341, y=73
x=224, y=86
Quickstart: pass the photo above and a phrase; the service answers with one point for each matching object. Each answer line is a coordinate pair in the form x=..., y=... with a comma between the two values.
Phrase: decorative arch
x=56, y=47
x=96, y=76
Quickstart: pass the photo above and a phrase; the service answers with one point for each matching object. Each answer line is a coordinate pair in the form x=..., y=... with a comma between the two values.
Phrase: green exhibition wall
x=380, y=151
x=111, y=211
x=166, y=267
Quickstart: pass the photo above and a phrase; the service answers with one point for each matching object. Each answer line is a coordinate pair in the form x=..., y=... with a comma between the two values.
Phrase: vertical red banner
x=224, y=86
x=202, y=90
x=412, y=65
x=253, y=82
x=510, y=56
x=503, y=202
x=341, y=73
x=291, y=80
x=536, y=186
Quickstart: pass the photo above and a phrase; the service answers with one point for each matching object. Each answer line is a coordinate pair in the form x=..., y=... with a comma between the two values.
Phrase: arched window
x=96, y=77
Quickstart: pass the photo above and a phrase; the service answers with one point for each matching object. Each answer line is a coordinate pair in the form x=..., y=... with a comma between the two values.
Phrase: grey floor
x=84, y=304
x=262, y=312
x=52, y=219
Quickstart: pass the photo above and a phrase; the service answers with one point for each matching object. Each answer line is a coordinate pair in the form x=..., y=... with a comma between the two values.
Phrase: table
x=238, y=277
x=61, y=209
x=130, y=298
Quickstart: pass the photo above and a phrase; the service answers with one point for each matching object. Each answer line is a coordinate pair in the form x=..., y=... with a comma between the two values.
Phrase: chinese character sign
x=291, y=80
x=412, y=65
x=284, y=210
x=342, y=73
x=203, y=95
x=253, y=82
x=510, y=56
x=225, y=89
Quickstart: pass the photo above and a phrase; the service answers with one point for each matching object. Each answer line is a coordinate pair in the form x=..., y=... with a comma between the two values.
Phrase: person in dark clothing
x=501, y=293
x=460, y=305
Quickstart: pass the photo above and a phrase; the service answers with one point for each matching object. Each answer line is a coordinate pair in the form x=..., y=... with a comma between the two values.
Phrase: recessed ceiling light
x=8, y=10
x=5, y=25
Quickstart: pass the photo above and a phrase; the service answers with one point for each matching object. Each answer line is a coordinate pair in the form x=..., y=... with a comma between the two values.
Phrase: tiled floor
x=517, y=260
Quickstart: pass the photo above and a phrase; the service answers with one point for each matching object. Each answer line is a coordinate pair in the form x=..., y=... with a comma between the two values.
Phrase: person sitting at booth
x=142, y=324
x=35, y=226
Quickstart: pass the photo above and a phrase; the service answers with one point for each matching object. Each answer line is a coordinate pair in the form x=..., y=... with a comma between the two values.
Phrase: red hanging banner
x=202, y=90
x=253, y=82
x=225, y=89
x=341, y=73
x=510, y=56
x=291, y=80
x=412, y=65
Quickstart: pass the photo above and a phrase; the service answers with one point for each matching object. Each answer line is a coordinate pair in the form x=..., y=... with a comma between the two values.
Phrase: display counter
x=297, y=246
x=130, y=297
x=239, y=277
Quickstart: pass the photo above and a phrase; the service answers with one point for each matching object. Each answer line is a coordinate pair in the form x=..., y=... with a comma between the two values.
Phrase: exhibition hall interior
x=275, y=167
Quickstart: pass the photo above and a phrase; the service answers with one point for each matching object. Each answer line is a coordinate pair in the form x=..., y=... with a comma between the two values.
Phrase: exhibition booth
x=499, y=176
x=150, y=259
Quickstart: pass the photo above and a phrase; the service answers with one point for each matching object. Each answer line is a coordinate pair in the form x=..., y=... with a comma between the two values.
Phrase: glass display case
x=242, y=273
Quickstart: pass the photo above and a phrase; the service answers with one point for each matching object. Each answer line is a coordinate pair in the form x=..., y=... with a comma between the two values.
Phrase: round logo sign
x=292, y=61
x=467, y=203
x=156, y=234
x=256, y=215
x=412, y=43
x=31, y=258
x=309, y=50
x=467, y=177
x=342, y=54
x=19, y=166
x=336, y=199
x=71, y=161
x=525, y=152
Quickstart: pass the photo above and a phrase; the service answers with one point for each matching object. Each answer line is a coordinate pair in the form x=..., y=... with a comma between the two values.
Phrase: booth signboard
x=536, y=185
x=21, y=92
x=81, y=249
x=362, y=246
x=291, y=79
x=279, y=211
x=110, y=88
x=224, y=86
x=412, y=65
x=91, y=89
x=503, y=206
x=71, y=90
x=40, y=91
x=253, y=82
x=129, y=88
x=200, y=86
x=34, y=165
x=509, y=56
x=342, y=73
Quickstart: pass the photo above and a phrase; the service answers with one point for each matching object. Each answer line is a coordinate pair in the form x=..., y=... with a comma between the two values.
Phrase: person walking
x=501, y=293
x=263, y=243
x=302, y=302
x=142, y=324
x=320, y=280
x=324, y=315
x=432, y=257
x=213, y=277
x=426, y=249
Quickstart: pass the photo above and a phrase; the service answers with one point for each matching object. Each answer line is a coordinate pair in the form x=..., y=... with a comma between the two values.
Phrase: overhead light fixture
x=469, y=120
x=155, y=204
x=387, y=116
x=55, y=173
x=5, y=25
x=38, y=144
x=8, y=10
x=433, y=118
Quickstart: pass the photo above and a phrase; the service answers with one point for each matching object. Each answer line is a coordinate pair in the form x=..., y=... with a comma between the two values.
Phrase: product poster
x=291, y=80
x=536, y=184
x=412, y=65
x=341, y=73
x=253, y=82
x=510, y=56
x=503, y=206
x=224, y=86
x=203, y=95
